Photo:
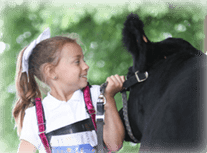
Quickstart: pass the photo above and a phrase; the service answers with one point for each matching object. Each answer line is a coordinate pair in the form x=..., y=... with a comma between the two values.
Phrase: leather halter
x=136, y=78
x=100, y=118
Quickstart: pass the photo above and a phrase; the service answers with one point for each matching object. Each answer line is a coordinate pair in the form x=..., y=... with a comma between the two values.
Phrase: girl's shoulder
x=31, y=112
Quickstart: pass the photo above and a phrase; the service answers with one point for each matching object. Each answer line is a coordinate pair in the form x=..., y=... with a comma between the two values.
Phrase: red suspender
x=40, y=117
x=89, y=105
x=41, y=124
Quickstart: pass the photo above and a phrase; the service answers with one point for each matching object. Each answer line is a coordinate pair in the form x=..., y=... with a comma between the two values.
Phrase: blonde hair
x=46, y=52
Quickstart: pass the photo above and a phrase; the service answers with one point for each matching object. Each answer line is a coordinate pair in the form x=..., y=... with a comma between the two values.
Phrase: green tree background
x=100, y=31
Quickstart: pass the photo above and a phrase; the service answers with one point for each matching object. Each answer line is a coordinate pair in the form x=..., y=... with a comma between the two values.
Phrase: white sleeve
x=30, y=130
x=95, y=92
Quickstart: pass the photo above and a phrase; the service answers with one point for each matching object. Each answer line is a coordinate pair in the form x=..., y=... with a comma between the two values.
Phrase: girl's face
x=72, y=70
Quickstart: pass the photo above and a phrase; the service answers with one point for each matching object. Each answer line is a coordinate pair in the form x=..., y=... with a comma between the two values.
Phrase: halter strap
x=136, y=78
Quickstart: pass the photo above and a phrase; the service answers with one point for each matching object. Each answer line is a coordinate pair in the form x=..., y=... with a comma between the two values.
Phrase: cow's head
x=135, y=41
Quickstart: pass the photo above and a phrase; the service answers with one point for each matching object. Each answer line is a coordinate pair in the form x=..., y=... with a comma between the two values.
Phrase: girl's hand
x=115, y=85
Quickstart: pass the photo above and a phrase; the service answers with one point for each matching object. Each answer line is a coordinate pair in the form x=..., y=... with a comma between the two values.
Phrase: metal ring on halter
x=102, y=97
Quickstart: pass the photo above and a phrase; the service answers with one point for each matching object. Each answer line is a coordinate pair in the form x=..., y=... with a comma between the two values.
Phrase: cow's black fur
x=166, y=112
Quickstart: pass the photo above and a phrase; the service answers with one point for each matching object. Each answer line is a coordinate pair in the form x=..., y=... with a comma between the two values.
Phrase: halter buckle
x=141, y=80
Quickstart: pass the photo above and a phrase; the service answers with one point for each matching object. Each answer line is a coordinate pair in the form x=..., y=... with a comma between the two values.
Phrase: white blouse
x=59, y=114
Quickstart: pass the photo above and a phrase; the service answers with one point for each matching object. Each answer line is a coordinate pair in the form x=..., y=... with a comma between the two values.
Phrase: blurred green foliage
x=101, y=34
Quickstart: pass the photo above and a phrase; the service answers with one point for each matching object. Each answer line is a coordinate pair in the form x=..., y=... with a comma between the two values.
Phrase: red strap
x=89, y=105
x=41, y=126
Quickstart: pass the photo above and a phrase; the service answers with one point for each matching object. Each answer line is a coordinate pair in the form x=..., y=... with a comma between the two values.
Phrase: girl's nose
x=85, y=66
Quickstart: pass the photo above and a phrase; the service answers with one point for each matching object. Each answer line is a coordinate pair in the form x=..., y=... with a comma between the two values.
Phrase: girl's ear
x=48, y=72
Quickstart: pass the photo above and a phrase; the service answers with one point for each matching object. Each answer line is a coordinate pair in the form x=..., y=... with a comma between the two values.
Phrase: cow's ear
x=145, y=39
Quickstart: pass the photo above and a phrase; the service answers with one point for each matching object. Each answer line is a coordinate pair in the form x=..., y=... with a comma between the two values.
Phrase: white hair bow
x=29, y=49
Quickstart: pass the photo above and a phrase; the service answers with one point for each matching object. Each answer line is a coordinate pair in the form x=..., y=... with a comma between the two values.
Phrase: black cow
x=166, y=112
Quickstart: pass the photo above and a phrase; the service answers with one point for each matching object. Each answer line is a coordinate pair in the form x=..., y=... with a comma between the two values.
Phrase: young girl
x=59, y=62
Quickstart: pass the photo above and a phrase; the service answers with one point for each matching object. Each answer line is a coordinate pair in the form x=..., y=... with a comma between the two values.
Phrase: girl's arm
x=26, y=147
x=113, y=130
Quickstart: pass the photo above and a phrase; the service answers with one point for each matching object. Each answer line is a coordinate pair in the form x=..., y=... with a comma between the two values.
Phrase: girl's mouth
x=83, y=76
